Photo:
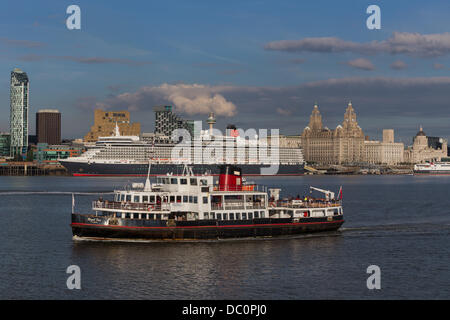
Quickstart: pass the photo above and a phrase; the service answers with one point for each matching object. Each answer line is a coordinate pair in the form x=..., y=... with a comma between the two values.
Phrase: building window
x=205, y=200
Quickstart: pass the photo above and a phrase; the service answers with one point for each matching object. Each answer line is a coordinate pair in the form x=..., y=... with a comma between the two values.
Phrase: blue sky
x=227, y=57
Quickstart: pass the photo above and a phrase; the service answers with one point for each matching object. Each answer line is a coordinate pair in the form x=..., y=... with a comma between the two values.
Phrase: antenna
x=148, y=185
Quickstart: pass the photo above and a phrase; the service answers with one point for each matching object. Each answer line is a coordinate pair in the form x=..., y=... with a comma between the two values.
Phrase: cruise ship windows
x=225, y=216
x=172, y=199
x=231, y=216
x=122, y=197
x=128, y=199
x=256, y=214
x=193, y=181
x=183, y=181
x=219, y=216
x=152, y=199
x=203, y=182
x=238, y=216
x=212, y=215
x=206, y=215
x=250, y=215
x=244, y=215
x=136, y=199
x=205, y=200
x=144, y=198
x=173, y=181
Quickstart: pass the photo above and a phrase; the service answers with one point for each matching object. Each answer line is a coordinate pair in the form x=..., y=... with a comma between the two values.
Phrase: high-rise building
x=48, y=126
x=4, y=144
x=105, y=124
x=166, y=121
x=19, y=103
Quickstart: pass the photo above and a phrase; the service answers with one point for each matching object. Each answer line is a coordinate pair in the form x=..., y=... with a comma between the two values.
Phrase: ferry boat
x=192, y=207
x=433, y=168
x=119, y=155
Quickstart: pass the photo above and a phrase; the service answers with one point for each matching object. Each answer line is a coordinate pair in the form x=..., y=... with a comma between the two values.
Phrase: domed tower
x=420, y=140
x=211, y=121
x=315, y=120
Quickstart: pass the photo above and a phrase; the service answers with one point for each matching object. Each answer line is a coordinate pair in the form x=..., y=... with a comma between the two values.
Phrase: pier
x=31, y=169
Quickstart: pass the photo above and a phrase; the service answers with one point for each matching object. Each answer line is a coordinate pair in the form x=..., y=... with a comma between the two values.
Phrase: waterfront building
x=4, y=144
x=344, y=145
x=421, y=151
x=49, y=154
x=19, y=104
x=105, y=124
x=166, y=121
x=384, y=152
x=48, y=126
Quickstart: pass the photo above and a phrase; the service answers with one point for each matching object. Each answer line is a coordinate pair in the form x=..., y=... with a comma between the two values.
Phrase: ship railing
x=132, y=206
x=236, y=206
x=307, y=204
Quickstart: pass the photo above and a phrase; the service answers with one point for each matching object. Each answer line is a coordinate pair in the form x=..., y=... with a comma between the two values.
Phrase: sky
x=256, y=64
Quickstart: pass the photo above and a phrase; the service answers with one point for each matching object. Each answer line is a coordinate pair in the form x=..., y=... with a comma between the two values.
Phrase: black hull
x=124, y=169
x=90, y=227
x=435, y=172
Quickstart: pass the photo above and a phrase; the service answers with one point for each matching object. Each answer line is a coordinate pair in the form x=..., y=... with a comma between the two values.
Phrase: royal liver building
x=19, y=112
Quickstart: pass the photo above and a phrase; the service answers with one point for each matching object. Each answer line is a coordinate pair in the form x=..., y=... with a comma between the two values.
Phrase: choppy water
x=400, y=223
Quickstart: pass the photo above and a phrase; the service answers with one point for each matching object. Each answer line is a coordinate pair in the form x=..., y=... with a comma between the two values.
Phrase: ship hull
x=136, y=170
x=91, y=227
x=434, y=172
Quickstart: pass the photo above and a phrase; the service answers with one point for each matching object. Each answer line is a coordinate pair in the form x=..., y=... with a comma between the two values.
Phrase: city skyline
x=272, y=60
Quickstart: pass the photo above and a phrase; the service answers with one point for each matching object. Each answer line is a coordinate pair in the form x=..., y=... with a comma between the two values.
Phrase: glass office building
x=19, y=96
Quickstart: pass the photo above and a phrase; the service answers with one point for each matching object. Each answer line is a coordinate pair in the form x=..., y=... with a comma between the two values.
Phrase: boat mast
x=148, y=185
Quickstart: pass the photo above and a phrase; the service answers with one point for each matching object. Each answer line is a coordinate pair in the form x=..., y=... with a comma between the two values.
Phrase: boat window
x=151, y=216
x=127, y=215
x=178, y=199
x=172, y=199
x=212, y=215
x=244, y=215
x=174, y=181
x=203, y=182
x=136, y=199
x=256, y=214
x=122, y=197
x=128, y=197
x=183, y=181
x=225, y=216
x=262, y=214
x=219, y=216
x=206, y=214
x=205, y=200
x=152, y=198
x=195, y=199
x=250, y=215
x=158, y=180
x=231, y=216
x=193, y=181
x=185, y=199
x=118, y=215
x=238, y=216
x=144, y=198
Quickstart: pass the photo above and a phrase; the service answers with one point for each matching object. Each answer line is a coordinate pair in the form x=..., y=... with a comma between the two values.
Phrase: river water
x=399, y=223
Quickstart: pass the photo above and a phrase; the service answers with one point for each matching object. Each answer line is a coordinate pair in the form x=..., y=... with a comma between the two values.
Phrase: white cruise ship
x=129, y=156
x=440, y=167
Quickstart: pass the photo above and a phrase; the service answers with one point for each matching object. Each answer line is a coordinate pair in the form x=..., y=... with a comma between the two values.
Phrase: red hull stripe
x=189, y=227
